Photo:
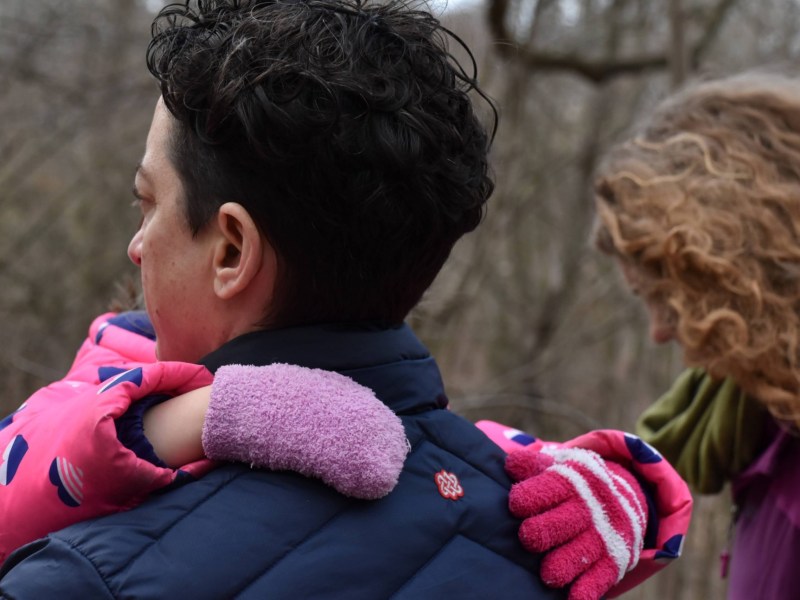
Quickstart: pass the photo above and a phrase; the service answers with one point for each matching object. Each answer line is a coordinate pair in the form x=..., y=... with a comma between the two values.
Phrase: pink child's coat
x=61, y=446
x=63, y=462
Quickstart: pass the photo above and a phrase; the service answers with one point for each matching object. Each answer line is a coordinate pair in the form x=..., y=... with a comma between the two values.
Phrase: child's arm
x=374, y=459
x=285, y=417
x=63, y=461
x=174, y=427
x=583, y=502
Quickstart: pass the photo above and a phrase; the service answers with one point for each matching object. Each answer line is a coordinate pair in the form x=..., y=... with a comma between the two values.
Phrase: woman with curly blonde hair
x=702, y=212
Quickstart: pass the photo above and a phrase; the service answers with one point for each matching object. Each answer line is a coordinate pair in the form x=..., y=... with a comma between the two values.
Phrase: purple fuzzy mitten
x=318, y=423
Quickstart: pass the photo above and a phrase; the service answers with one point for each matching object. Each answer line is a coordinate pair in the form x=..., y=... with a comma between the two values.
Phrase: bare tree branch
x=594, y=70
x=678, y=58
x=712, y=27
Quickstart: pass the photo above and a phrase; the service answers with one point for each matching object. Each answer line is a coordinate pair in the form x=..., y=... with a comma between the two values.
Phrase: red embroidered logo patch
x=449, y=485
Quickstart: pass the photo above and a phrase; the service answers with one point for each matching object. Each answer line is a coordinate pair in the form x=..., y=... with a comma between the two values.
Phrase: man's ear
x=239, y=251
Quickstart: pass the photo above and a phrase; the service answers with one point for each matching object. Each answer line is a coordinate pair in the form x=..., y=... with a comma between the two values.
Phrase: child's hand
x=589, y=515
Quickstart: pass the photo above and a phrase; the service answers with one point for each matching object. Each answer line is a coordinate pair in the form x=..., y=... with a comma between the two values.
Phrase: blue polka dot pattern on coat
x=7, y=421
x=641, y=451
x=10, y=418
x=671, y=549
x=105, y=373
x=522, y=438
x=133, y=375
x=68, y=480
x=13, y=454
x=136, y=322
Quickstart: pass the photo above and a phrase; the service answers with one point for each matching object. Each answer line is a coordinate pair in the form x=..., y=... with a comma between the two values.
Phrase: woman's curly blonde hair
x=705, y=203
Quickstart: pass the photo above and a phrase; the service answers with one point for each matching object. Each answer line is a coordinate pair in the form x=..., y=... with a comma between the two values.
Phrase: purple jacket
x=767, y=538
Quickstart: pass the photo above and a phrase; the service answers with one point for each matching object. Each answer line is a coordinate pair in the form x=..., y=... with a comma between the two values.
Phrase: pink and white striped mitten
x=589, y=514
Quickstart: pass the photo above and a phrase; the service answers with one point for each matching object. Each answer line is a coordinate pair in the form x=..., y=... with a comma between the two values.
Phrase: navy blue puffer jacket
x=444, y=532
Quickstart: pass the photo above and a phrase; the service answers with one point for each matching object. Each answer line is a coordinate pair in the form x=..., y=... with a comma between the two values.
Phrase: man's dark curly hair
x=345, y=128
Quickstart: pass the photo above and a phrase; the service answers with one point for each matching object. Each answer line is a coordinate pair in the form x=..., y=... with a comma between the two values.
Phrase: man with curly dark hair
x=343, y=128
x=309, y=167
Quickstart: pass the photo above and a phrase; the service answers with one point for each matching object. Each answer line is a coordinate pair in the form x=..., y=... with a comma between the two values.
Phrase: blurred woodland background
x=531, y=326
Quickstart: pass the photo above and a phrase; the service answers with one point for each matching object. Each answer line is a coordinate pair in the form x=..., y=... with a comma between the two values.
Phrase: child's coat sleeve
x=61, y=459
x=671, y=500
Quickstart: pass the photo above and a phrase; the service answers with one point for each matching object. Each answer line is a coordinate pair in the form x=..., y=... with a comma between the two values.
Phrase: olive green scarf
x=707, y=428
